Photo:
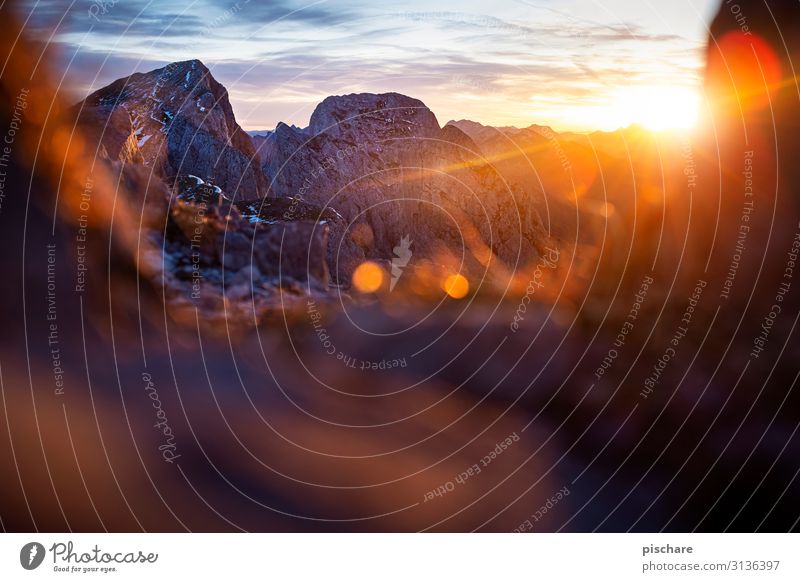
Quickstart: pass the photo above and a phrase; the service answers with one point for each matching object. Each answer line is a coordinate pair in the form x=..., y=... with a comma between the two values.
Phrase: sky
x=575, y=65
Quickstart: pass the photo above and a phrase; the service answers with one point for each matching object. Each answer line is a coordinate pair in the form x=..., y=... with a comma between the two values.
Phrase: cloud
x=150, y=18
x=316, y=13
x=279, y=58
x=571, y=29
x=131, y=17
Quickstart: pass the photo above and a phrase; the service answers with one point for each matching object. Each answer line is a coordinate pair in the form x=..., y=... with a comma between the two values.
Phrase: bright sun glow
x=657, y=108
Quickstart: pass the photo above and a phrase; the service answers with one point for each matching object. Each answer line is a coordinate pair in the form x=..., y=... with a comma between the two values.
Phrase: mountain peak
x=465, y=123
x=385, y=114
x=194, y=69
x=179, y=120
x=191, y=63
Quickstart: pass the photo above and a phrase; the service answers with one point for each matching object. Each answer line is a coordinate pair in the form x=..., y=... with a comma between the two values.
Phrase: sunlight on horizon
x=519, y=64
x=656, y=108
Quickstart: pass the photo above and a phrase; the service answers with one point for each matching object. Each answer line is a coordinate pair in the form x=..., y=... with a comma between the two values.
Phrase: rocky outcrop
x=376, y=169
x=386, y=166
x=231, y=261
x=177, y=120
x=547, y=168
x=254, y=246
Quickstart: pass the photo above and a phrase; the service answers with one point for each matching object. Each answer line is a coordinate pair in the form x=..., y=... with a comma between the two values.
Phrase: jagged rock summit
x=177, y=120
x=374, y=169
x=370, y=116
x=384, y=163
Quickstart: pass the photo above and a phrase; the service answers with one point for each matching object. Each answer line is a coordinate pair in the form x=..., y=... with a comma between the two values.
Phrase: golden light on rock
x=368, y=277
x=456, y=286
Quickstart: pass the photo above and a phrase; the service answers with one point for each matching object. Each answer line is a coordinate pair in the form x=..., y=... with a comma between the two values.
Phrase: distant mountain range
x=373, y=168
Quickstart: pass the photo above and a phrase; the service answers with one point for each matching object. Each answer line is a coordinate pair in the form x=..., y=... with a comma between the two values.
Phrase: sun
x=658, y=108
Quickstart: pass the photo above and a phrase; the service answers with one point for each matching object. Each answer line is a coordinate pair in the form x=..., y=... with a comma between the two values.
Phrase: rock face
x=597, y=193
x=575, y=179
x=232, y=262
x=533, y=163
x=386, y=166
x=177, y=120
x=236, y=257
x=377, y=170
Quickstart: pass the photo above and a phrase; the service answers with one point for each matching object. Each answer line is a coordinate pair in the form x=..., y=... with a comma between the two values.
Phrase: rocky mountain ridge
x=369, y=171
x=384, y=163
x=177, y=120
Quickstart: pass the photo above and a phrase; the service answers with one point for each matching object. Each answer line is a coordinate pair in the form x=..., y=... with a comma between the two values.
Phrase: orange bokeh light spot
x=748, y=68
x=368, y=277
x=456, y=286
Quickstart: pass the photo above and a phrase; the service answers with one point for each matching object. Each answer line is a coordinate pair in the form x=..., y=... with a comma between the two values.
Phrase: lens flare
x=752, y=67
x=456, y=286
x=368, y=277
